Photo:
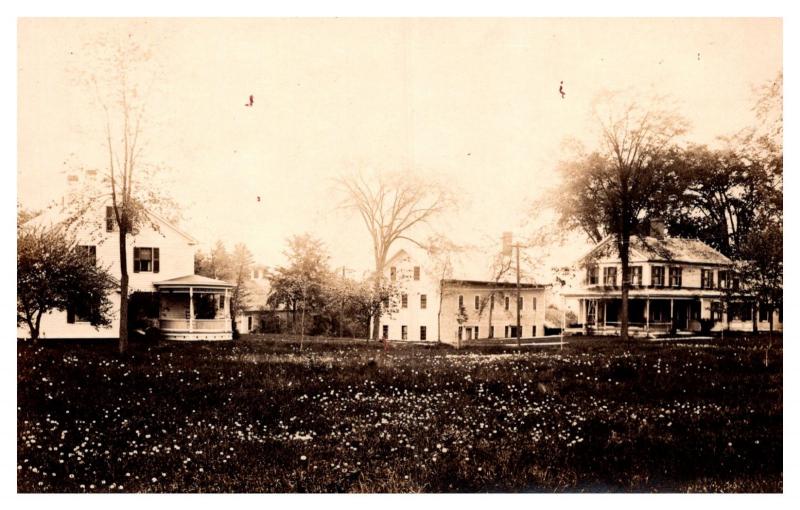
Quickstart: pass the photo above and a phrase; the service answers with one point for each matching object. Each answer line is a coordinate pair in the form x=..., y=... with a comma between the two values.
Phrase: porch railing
x=170, y=324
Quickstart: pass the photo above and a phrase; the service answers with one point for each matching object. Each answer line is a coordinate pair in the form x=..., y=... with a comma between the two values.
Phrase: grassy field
x=259, y=415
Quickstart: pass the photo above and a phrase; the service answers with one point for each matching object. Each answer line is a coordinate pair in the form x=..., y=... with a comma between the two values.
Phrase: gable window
x=416, y=273
x=592, y=275
x=707, y=279
x=477, y=302
x=393, y=273
x=404, y=300
x=657, y=278
x=146, y=260
x=636, y=276
x=423, y=332
x=423, y=301
x=110, y=220
x=675, y=276
x=610, y=276
x=506, y=305
x=91, y=253
x=404, y=332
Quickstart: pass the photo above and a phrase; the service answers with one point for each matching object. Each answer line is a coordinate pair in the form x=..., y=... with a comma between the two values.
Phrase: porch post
x=227, y=306
x=671, y=315
x=191, y=309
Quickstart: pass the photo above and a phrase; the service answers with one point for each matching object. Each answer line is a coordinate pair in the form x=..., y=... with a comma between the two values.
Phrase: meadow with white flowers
x=263, y=415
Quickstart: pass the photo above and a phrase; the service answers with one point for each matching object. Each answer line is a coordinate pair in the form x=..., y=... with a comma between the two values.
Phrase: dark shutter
x=155, y=260
x=93, y=254
x=135, y=260
x=70, y=316
x=109, y=218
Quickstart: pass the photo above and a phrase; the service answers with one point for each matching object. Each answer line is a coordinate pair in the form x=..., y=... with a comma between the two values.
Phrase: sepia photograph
x=399, y=255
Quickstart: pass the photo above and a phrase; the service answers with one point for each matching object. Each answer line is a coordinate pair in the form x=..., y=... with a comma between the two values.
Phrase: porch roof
x=193, y=280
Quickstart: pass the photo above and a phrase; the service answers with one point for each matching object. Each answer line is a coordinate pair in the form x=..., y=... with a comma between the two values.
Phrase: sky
x=471, y=102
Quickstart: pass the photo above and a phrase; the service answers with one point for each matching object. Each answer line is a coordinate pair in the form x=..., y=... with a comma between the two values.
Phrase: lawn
x=260, y=415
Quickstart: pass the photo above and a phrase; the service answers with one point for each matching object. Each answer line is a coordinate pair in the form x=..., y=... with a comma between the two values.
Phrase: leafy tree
x=299, y=285
x=612, y=190
x=241, y=263
x=53, y=273
x=391, y=207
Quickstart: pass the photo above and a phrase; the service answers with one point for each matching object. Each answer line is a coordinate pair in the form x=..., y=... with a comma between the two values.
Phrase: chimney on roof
x=658, y=228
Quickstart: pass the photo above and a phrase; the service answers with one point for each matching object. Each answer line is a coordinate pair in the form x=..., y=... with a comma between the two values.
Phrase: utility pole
x=519, y=324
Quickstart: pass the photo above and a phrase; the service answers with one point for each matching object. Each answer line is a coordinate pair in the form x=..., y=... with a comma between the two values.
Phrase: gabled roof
x=54, y=215
x=661, y=249
x=193, y=280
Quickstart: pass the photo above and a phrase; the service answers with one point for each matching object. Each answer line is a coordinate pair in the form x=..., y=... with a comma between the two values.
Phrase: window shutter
x=135, y=259
x=156, y=259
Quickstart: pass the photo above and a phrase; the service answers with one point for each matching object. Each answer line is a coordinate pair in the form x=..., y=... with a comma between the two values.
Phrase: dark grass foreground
x=260, y=416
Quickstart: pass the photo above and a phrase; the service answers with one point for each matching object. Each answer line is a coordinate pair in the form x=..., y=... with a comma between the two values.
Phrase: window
x=249, y=323
x=491, y=331
x=716, y=310
x=110, y=219
x=91, y=253
x=476, y=332
x=385, y=331
x=221, y=299
x=416, y=273
x=534, y=303
x=393, y=273
x=533, y=333
x=460, y=302
x=591, y=275
x=506, y=331
x=763, y=313
x=506, y=303
x=477, y=302
x=675, y=276
x=404, y=332
x=657, y=278
x=707, y=279
x=404, y=300
x=423, y=301
x=460, y=332
x=423, y=332
x=636, y=276
x=145, y=260
x=610, y=276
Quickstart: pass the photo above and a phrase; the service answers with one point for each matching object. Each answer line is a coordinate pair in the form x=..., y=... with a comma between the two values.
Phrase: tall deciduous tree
x=391, y=206
x=120, y=79
x=611, y=190
x=53, y=273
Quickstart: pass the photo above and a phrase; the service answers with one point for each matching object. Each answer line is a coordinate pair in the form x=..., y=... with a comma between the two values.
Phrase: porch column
x=671, y=315
x=191, y=309
x=227, y=306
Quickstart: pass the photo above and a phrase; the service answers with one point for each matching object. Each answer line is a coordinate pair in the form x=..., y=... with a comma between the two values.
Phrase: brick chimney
x=658, y=228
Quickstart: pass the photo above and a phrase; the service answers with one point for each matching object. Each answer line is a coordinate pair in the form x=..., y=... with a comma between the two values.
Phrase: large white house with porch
x=160, y=259
x=676, y=285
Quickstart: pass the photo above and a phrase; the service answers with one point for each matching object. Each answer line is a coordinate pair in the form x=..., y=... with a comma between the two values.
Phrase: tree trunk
x=624, y=255
x=123, y=290
x=755, y=316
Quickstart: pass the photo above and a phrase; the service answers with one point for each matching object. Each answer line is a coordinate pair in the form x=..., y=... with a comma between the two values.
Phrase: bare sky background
x=474, y=102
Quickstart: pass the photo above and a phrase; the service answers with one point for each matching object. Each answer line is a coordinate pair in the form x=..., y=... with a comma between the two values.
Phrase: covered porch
x=647, y=316
x=195, y=307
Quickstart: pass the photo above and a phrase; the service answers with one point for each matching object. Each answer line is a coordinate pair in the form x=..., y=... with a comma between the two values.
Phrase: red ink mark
x=561, y=90
x=251, y=101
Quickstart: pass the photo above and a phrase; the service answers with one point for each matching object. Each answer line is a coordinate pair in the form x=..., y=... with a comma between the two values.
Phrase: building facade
x=676, y=285
x=430, y=308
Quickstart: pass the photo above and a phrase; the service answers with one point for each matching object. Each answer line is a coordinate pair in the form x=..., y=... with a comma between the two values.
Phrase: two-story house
x=676, y=284
x=432, y=308
x=164, y=291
